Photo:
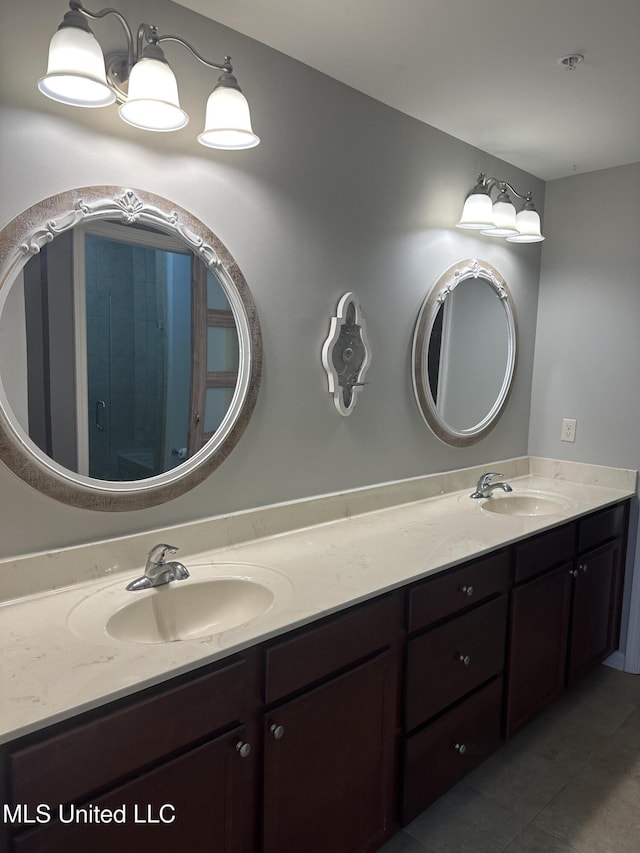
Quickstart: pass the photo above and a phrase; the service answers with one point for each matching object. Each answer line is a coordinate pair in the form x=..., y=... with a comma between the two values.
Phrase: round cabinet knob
x=243, y=749
x=460, y=748
x=583, y=567
x=467, y=590
x=277, y=731
x=464, y=659
x=574, y=572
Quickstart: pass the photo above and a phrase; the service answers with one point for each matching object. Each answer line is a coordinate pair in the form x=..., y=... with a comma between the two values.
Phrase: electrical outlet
x=568, y=429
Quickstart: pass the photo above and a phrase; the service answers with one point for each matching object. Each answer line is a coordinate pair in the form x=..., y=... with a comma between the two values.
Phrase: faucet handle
x=159, y=552
x=489, y=476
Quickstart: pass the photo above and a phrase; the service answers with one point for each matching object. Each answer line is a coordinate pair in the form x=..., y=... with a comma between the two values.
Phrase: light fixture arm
x=224, y=66
x=76, y=6
x=490, y=183
x=118, y=71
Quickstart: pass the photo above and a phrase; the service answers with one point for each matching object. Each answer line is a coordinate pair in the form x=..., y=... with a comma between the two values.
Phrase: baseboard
x=616, y=661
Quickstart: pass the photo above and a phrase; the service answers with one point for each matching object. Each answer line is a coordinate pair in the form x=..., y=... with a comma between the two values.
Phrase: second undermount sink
x=189, y=610
x=529, y=503
x=217, y=598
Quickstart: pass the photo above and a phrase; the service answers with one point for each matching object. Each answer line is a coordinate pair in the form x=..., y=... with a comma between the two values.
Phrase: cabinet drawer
x=453, y=659
x=317, y=652
x=91, y=755
x=437, y=757
x=601, y=527
x=446, y=594
x=544, y=552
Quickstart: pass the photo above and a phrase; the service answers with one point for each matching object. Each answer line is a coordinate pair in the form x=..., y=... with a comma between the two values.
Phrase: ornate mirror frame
x=22, y=238
x=469, y=268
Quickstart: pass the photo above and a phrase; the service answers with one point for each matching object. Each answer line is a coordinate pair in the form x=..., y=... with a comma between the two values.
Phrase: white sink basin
x=215, y=599
x=525, y=504
x=187, y=610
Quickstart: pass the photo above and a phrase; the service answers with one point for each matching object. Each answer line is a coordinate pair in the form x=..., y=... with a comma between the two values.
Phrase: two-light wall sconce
x=499, y=218
x=78, y=74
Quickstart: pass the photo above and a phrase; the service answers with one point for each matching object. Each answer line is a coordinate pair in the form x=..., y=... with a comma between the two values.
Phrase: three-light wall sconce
x=498, y=218
x=78, y=74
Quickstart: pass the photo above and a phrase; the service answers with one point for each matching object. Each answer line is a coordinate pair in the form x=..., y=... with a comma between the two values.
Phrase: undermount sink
x=215, y=599
x=186, y=611
x=525, y=504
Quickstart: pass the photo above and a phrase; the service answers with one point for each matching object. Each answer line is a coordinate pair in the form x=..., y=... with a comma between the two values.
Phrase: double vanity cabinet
x=332, y=736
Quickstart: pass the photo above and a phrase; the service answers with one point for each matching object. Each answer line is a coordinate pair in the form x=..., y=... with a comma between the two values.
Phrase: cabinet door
x=96, y=754
x=595, y=620
x=329, y=764
x=200, y=802
x=538, y=645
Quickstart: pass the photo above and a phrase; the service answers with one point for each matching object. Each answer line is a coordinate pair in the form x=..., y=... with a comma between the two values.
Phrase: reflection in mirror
x=114, y=352
x=464, y=352
x=468, y=354
x=134, y=349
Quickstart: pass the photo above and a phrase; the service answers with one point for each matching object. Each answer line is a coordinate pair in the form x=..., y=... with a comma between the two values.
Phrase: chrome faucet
x=157, y=571
x=485, y=488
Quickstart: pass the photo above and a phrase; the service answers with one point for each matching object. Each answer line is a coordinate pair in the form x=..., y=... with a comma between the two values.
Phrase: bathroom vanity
x=332, y=731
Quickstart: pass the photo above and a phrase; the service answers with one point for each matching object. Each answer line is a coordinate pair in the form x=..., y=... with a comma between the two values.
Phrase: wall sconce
x=79, y=75
x=499, y=219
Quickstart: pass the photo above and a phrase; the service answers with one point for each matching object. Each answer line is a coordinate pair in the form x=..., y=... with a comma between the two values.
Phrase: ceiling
x=485, y=71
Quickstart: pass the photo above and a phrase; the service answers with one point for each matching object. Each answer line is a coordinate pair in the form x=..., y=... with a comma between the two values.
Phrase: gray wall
x=342, y=194
x=587, y=340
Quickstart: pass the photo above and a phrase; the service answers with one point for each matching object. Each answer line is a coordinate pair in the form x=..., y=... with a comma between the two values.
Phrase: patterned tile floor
x=567, y=783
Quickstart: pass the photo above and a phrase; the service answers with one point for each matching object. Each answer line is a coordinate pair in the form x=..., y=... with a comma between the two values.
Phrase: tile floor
x=567, y=783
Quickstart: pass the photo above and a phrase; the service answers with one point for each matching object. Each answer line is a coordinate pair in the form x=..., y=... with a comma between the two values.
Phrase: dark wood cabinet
x=175, y=768
x=199, y=802
x=453, y=659
x=453, y=687
x=328, y=737
x=566, y=618
x=442, y=753
x=537, y=645
x=328, y=764
x=459, y=589
x=595, y=623
x=330, y=732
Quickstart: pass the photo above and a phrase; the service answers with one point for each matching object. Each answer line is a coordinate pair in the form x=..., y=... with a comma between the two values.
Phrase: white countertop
x=54, y=665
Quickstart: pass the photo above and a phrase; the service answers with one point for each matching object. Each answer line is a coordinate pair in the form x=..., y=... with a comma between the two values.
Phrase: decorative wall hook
x=346, y=354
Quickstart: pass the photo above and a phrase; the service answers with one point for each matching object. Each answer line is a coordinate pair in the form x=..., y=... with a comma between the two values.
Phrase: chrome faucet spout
x=485, y=488
x=157, y=571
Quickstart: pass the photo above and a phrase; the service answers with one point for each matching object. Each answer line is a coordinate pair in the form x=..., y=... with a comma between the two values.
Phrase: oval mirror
x=130, y=349
x=464, y=352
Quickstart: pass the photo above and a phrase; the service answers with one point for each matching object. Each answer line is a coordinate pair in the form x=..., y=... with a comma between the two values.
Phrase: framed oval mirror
x=464, y=352
x=130, y=349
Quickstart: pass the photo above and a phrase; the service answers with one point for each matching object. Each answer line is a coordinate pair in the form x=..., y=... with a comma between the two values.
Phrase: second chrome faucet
x=485, y=488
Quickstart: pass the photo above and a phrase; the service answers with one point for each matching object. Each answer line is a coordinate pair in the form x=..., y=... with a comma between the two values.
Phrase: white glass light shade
x=528, y=225
x=228, y=121
x=504, y=220
x=152, y=101
x=477, y=212
x=75, y=72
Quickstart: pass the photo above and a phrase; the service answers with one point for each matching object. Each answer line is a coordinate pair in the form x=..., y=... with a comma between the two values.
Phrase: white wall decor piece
x=346, y=354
